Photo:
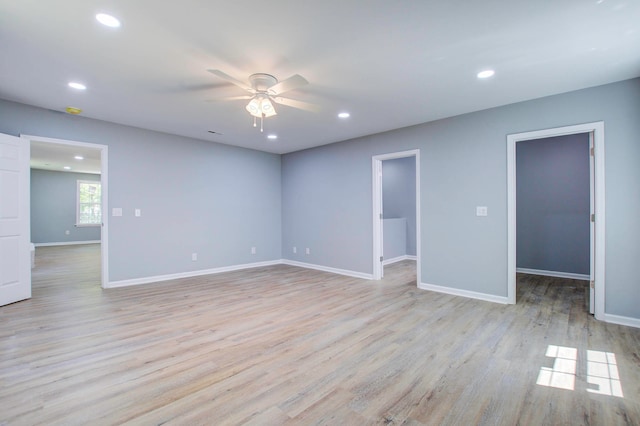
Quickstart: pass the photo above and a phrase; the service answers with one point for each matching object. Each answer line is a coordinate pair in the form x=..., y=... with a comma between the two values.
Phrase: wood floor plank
x=285, y=345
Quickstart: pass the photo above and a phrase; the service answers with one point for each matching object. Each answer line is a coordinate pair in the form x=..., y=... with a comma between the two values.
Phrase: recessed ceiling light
x=67, y=168
x=76, y=85
x=272, y=137
x=79, y=157
x=108, y=20
x=486, y=73
x=344, y=115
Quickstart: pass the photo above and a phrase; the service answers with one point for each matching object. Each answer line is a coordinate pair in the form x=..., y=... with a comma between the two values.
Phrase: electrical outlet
x=194, y=257
x=295, y=249
x=482, y=211
x=67, y=232
x=253, y=250
x=308, y=250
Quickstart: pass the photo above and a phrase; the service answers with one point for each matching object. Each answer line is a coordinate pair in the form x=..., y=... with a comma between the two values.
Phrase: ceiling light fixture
x=486, y=74
x=67, y=168
x=76, y=85
x=344, y=115
x=79, y=157
x=108, y=20
x=272, y=137
x=260, y=106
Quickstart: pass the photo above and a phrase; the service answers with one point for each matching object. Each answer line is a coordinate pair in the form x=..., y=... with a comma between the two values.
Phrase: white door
x=15, y=251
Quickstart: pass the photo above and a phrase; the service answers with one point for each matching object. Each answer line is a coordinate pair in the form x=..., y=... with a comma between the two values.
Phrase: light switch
x=137, y=213
x=117, y=211
x=481, y=211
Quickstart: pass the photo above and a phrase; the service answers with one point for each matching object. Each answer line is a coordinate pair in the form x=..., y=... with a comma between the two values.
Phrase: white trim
x=597, y=130
x=556, y=274
x=346, y=272
x=464, y=293
x=399, y=259
x=67, y=243
x=620, y=320
x=104, y=182
x=189, y=274
x=376, y=169
x=592, y=225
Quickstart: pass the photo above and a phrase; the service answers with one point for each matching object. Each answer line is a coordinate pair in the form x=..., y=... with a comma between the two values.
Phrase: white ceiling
x=53, y=156
x=389, y=63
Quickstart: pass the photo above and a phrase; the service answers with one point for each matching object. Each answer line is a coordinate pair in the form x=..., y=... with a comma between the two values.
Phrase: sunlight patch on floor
x=602, y=371
x=563, y=373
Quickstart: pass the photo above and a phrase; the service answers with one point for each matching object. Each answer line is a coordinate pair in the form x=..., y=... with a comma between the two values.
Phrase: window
x=89, y=208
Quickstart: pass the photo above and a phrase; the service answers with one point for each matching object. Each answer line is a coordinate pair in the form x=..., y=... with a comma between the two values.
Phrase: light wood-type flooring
x=283, y=345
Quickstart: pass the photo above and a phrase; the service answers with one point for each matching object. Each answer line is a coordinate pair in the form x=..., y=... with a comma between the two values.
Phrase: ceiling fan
x=264, y=90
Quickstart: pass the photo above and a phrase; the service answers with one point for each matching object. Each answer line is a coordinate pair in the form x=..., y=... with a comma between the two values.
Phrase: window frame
x=79, y=183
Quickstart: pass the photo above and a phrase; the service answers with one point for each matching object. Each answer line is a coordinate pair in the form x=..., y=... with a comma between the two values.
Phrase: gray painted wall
x=327, y=192
x=399, y=196
x=53, y=207
x=395, y=238
x=195, y=196
x=552, y=207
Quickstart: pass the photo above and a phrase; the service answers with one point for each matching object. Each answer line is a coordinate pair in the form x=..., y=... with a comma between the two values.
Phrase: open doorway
x=594, y=271
x=68, y=190
x=553, y=228
x=396, y=210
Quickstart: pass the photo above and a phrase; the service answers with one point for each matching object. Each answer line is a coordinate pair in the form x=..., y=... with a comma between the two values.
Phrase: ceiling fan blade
x=230, y=98
x=296, y=104
x=227, y=77
x=236, y=98
x=293, y=82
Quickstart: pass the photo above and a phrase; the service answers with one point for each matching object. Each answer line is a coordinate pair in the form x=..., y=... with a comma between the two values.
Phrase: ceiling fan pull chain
x=261, y=121
x=254, y=121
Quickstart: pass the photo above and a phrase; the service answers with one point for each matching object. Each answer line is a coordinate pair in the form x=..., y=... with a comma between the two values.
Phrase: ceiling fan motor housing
x=262, y=82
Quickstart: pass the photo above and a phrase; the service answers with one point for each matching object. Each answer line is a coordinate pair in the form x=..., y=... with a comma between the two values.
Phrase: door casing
x=597, y=250
x=376, y=167
x=104, y=182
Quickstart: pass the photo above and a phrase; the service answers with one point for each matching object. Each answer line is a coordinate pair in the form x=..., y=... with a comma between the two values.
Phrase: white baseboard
x=158, y=278
x=554, y=274
x=620, y=320
x=399, y=259
x=464, y=293
x=66, y=243
x=346, y=272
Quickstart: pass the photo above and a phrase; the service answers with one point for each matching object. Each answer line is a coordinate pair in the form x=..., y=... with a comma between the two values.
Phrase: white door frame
x=376, y=168
x=596, y=130
x=104, y=182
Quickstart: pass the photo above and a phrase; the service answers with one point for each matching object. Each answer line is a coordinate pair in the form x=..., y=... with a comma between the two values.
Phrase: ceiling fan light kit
x=261, y=106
